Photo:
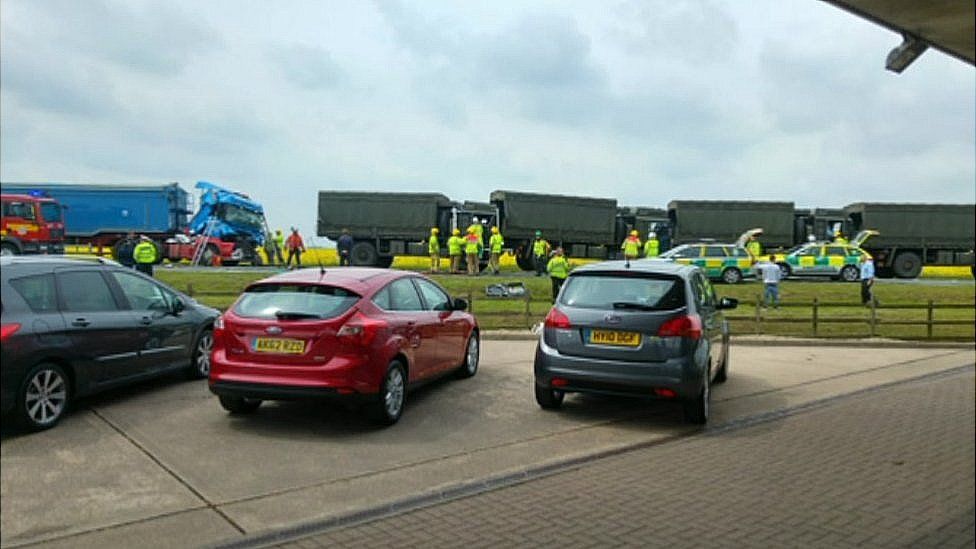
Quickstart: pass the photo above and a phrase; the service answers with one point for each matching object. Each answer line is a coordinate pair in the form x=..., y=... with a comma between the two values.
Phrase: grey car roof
x=654, y=266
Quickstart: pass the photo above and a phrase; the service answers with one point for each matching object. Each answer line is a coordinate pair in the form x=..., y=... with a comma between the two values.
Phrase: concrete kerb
x=779, y=341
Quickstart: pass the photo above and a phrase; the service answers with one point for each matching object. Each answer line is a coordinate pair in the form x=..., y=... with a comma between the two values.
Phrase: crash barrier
x=929, y=320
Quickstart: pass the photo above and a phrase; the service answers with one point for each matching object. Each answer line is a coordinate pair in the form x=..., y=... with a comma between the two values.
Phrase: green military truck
x=724, y=220
x=384, y=225
x=583, y=226
x=914, y=235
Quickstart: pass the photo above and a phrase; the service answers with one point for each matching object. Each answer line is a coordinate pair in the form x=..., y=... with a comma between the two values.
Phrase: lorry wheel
x=907, y=265
x=363, y=254
x=524, y=261
x=8, y=249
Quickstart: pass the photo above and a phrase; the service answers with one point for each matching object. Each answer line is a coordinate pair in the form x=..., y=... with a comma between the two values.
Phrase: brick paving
x=890, y=468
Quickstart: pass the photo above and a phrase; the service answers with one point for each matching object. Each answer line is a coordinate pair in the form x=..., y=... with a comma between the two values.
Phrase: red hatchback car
x=349, y=332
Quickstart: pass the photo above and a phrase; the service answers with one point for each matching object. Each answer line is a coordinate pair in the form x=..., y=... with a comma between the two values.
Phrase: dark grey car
x=650, y=329
x=73, y=327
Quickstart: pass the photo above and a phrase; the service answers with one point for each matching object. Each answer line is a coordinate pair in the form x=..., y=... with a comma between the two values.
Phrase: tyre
x=472, y=355
x=199, y=367
x=696, y=409
x=548, y=398
x=525, y=261
x=732, y=275
x=8, y=248
x=723, y=371
x=209, y=255
x=784, y=270
x=389, y=401
x=850, y=273
x=363, y=254
x=907, y=265
x=239, y=405
x=43, y=398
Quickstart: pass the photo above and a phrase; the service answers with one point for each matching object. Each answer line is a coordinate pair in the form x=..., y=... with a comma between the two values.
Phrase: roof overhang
x=946, y=25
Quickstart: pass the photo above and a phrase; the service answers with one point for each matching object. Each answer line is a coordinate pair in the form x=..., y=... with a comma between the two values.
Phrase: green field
x=219, y=288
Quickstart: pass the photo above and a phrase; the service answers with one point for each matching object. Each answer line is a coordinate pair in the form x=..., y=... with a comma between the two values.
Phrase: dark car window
x=685, y=252
x=435, y=298
x=809, y=250
x=404, y=297
x=714, y=251
x=296, y=301
x=86, y=291
x=38, y=291
x=382, y=299
x=698, y=291
x=51, y=212
x=23, y=210
x=836, y=250
x=734, y=251
x=142, y=294
x=602, y=291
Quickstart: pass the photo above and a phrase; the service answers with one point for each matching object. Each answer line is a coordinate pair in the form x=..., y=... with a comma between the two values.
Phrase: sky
x=642, y=101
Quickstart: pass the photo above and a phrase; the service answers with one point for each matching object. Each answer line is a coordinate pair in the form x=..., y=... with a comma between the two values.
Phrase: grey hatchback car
x=73, y=327
x=649, y=329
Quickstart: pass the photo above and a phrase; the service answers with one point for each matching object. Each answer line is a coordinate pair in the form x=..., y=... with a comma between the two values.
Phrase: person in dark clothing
x=123, y=252
x=344, y=245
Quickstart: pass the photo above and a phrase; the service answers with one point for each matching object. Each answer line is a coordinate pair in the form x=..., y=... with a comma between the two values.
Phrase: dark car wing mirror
x=178, y=306
x=728, y=303
x=459, y=304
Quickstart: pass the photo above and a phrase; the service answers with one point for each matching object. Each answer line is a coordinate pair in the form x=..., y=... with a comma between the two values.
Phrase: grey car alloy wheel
x=393, y=395
x=204, y=348
x=45, y=397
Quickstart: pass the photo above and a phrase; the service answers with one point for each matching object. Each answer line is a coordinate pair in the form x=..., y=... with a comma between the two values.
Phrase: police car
x=839, y=261
x=729, y=263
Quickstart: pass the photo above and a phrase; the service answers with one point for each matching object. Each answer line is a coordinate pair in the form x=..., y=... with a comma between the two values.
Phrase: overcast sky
x=642, y=101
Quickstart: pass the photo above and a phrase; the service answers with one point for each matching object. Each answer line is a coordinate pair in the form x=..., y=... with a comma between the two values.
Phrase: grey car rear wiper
x=631, y=305
x=289, y=315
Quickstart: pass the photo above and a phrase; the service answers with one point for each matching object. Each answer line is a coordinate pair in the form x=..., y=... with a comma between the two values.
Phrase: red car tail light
x=7, y=330
x=683, y=326
x=557, y=319
x=360, y=329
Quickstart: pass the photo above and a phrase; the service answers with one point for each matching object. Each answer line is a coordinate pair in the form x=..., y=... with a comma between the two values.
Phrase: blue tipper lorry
x=103, y=215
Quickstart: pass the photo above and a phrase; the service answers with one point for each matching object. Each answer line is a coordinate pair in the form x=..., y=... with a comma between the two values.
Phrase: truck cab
x=31, y=225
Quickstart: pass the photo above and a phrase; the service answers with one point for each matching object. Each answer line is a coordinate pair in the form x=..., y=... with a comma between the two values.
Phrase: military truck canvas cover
x=387, y=215
x=724, y=220
x=560, y=218
x=916, y=225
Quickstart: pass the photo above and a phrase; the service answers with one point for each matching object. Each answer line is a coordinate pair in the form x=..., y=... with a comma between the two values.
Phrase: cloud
x=308, y=67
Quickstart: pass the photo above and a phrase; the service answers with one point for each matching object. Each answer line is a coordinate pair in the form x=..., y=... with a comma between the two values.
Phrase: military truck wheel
x=784, y=270
x=907, y=265
x=732, y=275
x=524, y=261
x=850, y=273
x=363, y=254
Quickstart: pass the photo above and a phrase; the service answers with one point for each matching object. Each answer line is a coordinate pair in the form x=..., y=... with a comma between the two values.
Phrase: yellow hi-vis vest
x=558, y=267
x=631, y=246
x=540, y=246
x=144, y=252
x=472, y=244
x=652, y=247
x=496, y=242
x=434, y=245
x=454, y=245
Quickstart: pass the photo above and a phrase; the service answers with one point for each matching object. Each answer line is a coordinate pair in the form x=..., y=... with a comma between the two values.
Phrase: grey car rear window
x=602, y=291
x=295, y=300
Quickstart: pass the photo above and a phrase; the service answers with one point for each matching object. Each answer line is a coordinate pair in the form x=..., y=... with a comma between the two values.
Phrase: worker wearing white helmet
x=652, y=247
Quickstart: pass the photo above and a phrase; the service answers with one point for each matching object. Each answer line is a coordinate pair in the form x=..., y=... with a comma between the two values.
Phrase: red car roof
x=356, y=279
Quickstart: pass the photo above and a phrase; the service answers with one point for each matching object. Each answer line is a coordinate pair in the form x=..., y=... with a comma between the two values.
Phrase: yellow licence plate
x=279, y=345
x=612, y=337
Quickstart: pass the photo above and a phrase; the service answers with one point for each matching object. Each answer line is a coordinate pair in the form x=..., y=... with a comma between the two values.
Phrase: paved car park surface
x=163, y=464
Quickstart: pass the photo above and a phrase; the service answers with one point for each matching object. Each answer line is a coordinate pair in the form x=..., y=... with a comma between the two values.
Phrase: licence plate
x=278, y=345
x=613, y=337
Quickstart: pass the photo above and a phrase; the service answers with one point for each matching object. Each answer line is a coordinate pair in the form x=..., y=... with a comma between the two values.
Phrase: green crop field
x=219, y=288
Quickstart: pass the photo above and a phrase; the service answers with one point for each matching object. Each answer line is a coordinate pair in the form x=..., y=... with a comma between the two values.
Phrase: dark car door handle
x=145, y=321
x=80, y=322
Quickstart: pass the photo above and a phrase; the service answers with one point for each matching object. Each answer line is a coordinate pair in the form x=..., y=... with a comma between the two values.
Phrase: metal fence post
x=470, y=303
x=816, y=316
x=931, y=315
x=528, y=309
x=189, y=289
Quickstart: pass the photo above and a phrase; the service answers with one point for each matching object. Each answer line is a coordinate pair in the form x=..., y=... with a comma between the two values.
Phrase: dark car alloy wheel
x=44, y=397
x=696, y=409
x=200, y=364
x=547, y=398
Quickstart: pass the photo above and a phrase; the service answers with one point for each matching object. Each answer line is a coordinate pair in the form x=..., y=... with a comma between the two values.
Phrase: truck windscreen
x=239, y=216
